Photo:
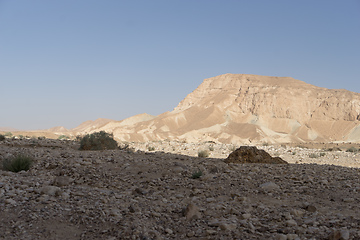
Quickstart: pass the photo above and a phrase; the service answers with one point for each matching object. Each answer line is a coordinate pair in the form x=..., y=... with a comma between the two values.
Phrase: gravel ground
x=170, y=193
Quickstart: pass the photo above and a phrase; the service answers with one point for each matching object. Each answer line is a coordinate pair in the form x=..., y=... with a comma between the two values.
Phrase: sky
x=66, y=62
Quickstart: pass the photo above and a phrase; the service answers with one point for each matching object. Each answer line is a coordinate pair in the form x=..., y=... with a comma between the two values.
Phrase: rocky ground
x=166, y=192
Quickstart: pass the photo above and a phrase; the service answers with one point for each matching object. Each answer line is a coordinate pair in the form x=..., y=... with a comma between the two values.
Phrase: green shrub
x=18, y=163
x=151, y=148
x=8, y=134
x=98, y=141
x=197, y=174
x=2, y=137
x=322, y=154
x=203, y=154
x=313, y=155
x=61, y=137
x=211, y=148
x=352, y=149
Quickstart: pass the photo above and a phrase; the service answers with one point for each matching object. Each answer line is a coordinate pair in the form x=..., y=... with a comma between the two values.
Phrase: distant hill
x=8, y=129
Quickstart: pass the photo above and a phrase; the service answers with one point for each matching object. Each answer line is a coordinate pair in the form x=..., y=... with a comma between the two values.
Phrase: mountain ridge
x=246, y=108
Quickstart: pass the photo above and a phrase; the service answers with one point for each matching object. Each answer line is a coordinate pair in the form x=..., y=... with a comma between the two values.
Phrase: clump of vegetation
x=203, y=154
x=98, y=141
x=322, y=154
x=265, y=144
x=197, y=174
x=352, y=149
x=8, y=134
x=233, y=148
x=63, y=137
x=211, y=148
x=2, y=137
x=333, y=149
x=313, y=155
x=151, y=148
x=293, y=153
x=18, y=163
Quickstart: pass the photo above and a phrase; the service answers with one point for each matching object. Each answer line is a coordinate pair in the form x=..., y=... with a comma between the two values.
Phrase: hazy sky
x=65, y=62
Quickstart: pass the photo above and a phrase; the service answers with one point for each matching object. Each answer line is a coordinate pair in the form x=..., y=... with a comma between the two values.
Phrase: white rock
x=50, y=190
x=269, y=186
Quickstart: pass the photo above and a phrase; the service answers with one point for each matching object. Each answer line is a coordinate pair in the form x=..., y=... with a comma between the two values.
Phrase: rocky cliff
x=250, y=108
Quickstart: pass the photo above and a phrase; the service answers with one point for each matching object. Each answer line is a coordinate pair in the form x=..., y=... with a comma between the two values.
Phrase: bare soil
x=135, y=193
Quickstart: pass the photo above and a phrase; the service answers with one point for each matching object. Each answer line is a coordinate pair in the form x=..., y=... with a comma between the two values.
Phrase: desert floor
x=154, y=191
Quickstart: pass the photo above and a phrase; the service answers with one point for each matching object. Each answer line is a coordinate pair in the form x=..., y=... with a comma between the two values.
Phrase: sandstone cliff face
x=250, y=108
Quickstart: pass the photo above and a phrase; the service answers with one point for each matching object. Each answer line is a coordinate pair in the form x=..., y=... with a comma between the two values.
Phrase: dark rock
x=250, y=154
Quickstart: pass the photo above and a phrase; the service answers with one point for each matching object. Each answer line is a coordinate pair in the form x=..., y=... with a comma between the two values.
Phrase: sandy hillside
x=243, y=108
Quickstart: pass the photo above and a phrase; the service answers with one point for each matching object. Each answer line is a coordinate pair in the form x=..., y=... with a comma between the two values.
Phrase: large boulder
x=250, y=154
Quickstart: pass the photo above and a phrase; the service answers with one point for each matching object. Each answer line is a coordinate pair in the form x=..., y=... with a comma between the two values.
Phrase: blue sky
x=65, y=62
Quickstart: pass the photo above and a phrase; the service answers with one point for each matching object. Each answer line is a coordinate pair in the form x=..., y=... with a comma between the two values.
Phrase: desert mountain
x=248, y=108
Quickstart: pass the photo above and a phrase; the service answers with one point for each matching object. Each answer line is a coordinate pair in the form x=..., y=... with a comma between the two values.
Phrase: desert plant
x=2, y=137
x=18, y=163
x=63, y=137
x=211, y=148
x=8, y=134
x=293, y=153
x=196, y=174
x=151, y=148
x=203, y=153
x=313, y=155
x=98, y=141
x=233, y=148
x=322, y=154
x=352, y=149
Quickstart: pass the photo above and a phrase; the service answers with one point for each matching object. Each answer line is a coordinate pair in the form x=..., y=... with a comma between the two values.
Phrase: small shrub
x=151, y=148
x=265, y=144
x=203, y=154
x=18, y=163
x=322, y=154
x=98, y=141
x=2, y=137
x=313, y=155
x=333, y=149
x=233, y=148
x=197, y=174
x=63, y=137
x=293, y=153
x=8, y=134
x=352, y=149
x=211, y=148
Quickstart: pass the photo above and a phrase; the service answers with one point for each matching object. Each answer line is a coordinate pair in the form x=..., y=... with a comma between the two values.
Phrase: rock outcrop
x=250, y=154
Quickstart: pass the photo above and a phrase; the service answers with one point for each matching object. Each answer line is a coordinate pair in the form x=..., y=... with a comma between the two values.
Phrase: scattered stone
x=269, y=186
x=50, y=190
x=61, y=181
x=310, y=208
x=342, y=234
x=192, y=212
